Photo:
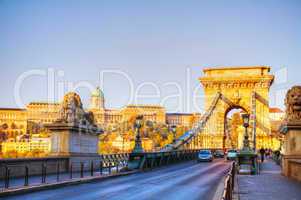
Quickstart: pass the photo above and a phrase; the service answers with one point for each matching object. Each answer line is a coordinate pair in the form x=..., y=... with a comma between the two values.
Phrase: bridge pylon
x=228, y=88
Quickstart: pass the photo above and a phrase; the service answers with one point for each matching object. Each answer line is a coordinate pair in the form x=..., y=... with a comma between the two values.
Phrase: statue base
x=79, y=143
x=291, y=155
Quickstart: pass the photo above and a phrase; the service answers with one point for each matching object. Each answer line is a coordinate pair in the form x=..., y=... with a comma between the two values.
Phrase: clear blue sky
x=151, y=41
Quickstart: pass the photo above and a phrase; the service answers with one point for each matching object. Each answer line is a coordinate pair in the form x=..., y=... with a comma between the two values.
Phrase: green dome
x=97, y=93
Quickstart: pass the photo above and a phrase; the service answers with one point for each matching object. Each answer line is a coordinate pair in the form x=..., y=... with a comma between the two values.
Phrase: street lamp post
x=174, y=131
x=246, y=143
x=246, y=158
x=123, y=143
x=137, y=156
x=138, y=144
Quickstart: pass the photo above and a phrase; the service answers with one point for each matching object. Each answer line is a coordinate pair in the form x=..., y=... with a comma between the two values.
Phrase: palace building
x=13, y=122
x=16, y=123
x=110, y=117
x=42, y=112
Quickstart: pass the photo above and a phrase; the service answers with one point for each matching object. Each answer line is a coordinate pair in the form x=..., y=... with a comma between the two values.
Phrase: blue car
x=205, y=155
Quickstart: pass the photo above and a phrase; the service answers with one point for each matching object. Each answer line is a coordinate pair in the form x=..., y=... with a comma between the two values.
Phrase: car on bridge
x=205, y=155
x=219, y=154
x=231, y=154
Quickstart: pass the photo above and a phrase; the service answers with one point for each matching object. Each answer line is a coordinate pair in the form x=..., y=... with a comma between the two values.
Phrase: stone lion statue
x=293, y=104
x=72, y=111
x=89, y=116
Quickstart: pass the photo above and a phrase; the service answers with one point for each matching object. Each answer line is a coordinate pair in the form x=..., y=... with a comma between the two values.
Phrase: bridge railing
x=18, y=173
x=229, y=183
x=33, y=172
x=114, y=161
x=150, y=160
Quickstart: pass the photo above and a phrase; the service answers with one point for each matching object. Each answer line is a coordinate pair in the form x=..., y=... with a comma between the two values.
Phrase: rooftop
x=275, y=110
x=186, y=114
x=13, y=109
x=144, y=106
x=43, y=103
x=236, y=68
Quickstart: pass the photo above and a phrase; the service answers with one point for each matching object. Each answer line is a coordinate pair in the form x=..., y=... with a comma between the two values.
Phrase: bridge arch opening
x=233, y=126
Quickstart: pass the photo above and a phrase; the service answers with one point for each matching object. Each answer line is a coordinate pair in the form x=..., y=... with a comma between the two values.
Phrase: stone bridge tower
x=238, y=84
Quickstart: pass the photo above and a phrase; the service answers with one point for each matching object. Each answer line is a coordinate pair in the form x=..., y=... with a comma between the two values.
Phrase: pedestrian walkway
x=269, y=185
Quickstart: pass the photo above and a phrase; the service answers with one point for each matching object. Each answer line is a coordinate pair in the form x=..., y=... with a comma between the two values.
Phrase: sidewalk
x=269, y=185
x=15, y=183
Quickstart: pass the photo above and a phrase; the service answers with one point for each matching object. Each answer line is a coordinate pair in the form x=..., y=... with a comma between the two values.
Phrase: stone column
x=291, y=153
x=291, y=128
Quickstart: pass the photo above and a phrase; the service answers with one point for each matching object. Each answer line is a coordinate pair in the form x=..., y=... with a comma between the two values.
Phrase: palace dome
x=97, y=93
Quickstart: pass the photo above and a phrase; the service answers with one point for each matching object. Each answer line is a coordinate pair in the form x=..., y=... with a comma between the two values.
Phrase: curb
x=236, y=189
x=77, y=181
x=219, y=190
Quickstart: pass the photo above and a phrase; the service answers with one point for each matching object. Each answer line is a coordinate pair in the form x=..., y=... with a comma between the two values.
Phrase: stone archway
x=228, y=110
x=237, y=85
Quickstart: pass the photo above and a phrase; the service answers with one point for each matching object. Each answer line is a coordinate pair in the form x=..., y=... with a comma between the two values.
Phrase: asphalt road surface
x=185, y=181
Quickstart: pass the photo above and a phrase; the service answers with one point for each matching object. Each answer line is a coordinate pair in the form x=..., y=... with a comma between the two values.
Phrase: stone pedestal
x=291, y=155
x=75, y=134
x=78, y=142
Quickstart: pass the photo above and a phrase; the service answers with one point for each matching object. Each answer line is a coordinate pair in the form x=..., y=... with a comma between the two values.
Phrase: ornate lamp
x=246, y=158
x=173, y=129
x=245, y=119
x=137, y=155
x=138, y=121
x=138, y=144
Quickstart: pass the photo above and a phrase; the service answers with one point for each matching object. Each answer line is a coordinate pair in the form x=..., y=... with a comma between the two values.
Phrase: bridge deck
x=188, y=180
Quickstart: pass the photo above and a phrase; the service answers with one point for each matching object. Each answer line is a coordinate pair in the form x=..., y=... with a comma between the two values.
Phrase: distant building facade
x=26, y=146
x=42, y=112
x=13, y=123
x=110, y=117
x=276, y=114
x=182, y=119
x=276, y=117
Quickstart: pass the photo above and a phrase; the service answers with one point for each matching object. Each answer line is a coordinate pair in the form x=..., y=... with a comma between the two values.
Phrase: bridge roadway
x=189, y=180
